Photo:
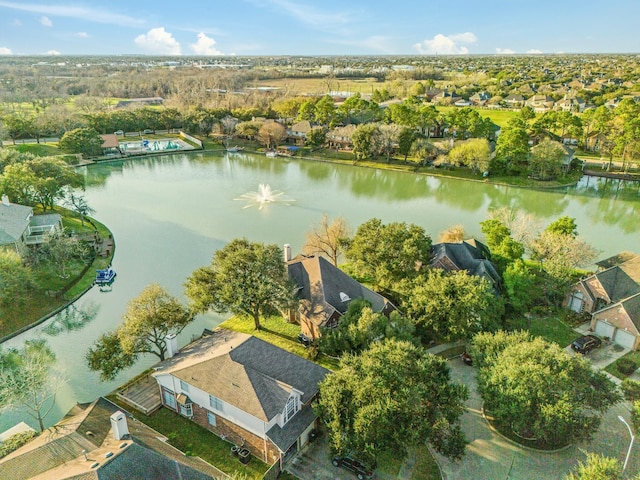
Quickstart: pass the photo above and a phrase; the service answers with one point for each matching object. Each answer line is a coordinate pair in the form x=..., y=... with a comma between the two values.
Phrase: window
x=169, y=399
x=291, y=408
x=211, y=418
x=186, y=410
x=184, y=386
x=216, y=403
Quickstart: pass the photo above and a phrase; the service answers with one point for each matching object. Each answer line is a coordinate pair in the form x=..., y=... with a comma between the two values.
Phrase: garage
x=624, y=338
x=604, y=329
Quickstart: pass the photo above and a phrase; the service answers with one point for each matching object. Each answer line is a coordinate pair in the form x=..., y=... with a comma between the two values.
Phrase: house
x=515, y=100
x=470, y=255
x=340, y=137
x=20, y=228
x=97, y=441
x=298, y=131
x=480, y=98
x=324, y=293
x=612, y=297
x=244, y=389
x=110, y=144
x=570, y=104
x=540, y=103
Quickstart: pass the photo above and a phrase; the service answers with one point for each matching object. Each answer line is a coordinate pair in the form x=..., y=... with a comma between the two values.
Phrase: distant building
x=140, y=101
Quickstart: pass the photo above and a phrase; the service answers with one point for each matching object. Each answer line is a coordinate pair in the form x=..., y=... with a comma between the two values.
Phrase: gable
x=14, y=220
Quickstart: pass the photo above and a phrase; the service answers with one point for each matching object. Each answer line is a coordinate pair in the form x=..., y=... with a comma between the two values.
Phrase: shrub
x=630, y=389
x=626, y=366
x=14, y=442
x=635, y=415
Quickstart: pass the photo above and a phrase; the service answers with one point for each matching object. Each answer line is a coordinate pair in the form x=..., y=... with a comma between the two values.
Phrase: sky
x=328, y=27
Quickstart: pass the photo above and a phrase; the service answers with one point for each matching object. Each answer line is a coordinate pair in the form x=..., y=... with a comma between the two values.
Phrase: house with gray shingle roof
x=612, y=297
x=470, y=255
x=324, y=293
x=19, y=227
x=244, y=389
x=86, y=445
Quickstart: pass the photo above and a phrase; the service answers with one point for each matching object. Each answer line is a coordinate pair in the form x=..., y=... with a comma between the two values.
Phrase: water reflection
x=71, y=319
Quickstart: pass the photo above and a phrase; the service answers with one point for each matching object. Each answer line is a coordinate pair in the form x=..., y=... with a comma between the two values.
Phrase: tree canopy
x=327, y=238
x=244, y=278
x=537, y=390
x=392, y=397
x=86, y=141
x=150, y=318
x=389, y=253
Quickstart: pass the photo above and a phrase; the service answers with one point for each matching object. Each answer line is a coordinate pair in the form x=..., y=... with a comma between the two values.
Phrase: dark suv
x=353, y=465
x=586, y=343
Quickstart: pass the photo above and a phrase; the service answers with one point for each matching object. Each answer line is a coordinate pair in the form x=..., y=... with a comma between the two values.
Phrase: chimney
x=5, y=200
x=171, y=341
x=119, y=425
x=287, y=252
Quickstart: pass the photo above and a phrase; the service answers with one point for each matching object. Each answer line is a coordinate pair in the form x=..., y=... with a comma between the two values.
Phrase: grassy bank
x=53, y=291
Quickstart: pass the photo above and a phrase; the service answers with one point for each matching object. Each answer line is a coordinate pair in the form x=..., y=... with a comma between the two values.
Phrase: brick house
x=324, y=293
x=470, y=255
x=612, y=297
x=245, y=390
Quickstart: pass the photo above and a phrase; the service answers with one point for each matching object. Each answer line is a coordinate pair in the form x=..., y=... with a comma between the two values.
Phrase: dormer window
x=344, y=297
x=293, y=405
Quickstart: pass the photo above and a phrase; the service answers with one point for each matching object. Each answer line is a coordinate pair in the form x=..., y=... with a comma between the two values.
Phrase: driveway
x=490, y=456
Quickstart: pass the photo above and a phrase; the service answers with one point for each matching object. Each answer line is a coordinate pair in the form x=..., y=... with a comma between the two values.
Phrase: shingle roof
x=251, y=374
x=321, y=287
x=283, y=438
x=58, y=452
x=621, y=281
x=616, y=260
x=467, y=256
x=14, y=220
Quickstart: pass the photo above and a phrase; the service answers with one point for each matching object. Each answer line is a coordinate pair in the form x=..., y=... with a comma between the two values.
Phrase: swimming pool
x=143, y=146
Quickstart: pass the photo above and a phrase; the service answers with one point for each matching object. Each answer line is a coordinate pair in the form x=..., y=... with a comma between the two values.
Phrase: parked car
x=147, y=131
x=586, y=343
x=304, y=340
x=355, y=466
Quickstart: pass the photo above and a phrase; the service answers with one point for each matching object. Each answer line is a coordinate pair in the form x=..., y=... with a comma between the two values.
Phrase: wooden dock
x=143, y=395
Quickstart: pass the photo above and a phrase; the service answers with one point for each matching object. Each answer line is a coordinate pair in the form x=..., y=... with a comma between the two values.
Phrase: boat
x=271, y=153
x=105, y=276
x=234, y=149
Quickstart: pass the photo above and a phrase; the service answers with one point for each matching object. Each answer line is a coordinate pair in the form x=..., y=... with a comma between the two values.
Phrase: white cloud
x=53, y=52
x=158, y=41
x=5, y=51
x=97, y=15
x=504, y=51
x=205, y=46
x=447, y=45
x=82, y=35
x=534, y=51
x=46, y=21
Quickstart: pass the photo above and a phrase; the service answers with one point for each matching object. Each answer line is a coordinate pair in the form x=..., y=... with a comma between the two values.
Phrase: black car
x=586, y=343
x=349, y=463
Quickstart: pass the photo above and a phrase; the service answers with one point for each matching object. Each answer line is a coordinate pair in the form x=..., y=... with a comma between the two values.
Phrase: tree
x=389, y=253
x=325, y=111
x=327, y=239
x=406, y=137
x=450, y=306
x=316, y=137
x=244, y=278
x=150, y=318
x=79, y=205
x=392, y=397
x=86, y=141
x=563, y=226
x=537, y=390
x=504, y=249
x=512, y=146
x=365, y=141
x=271, y=134
x=521, y=286
x=473, y=153
x=597, y=467
x=16, y=279
x=547, y=159
x=61, y=250
x=454, y=234
x=27, y=379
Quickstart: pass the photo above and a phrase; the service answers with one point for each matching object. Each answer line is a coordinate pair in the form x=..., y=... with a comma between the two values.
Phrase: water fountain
x=263, y=196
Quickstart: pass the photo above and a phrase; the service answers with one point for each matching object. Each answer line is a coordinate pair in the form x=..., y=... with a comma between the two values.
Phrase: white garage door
x=624, y=338
x=604, y=329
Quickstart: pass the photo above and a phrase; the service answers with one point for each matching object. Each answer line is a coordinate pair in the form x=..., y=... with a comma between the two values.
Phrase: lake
x=170, y=213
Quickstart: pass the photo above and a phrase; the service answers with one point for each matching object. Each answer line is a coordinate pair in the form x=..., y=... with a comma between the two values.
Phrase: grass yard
x=277, y=331
x=551, y=328
x=300, y=86
x=613, y=367
x=499, y=117
x=194, y=440
x=425, y=468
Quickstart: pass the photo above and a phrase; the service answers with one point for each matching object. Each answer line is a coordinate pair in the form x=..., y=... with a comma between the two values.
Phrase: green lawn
x=499, y=117
x=425, y=468
x=192, y=439
x=550, y=327
x=277, y=331
x=613, y=367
